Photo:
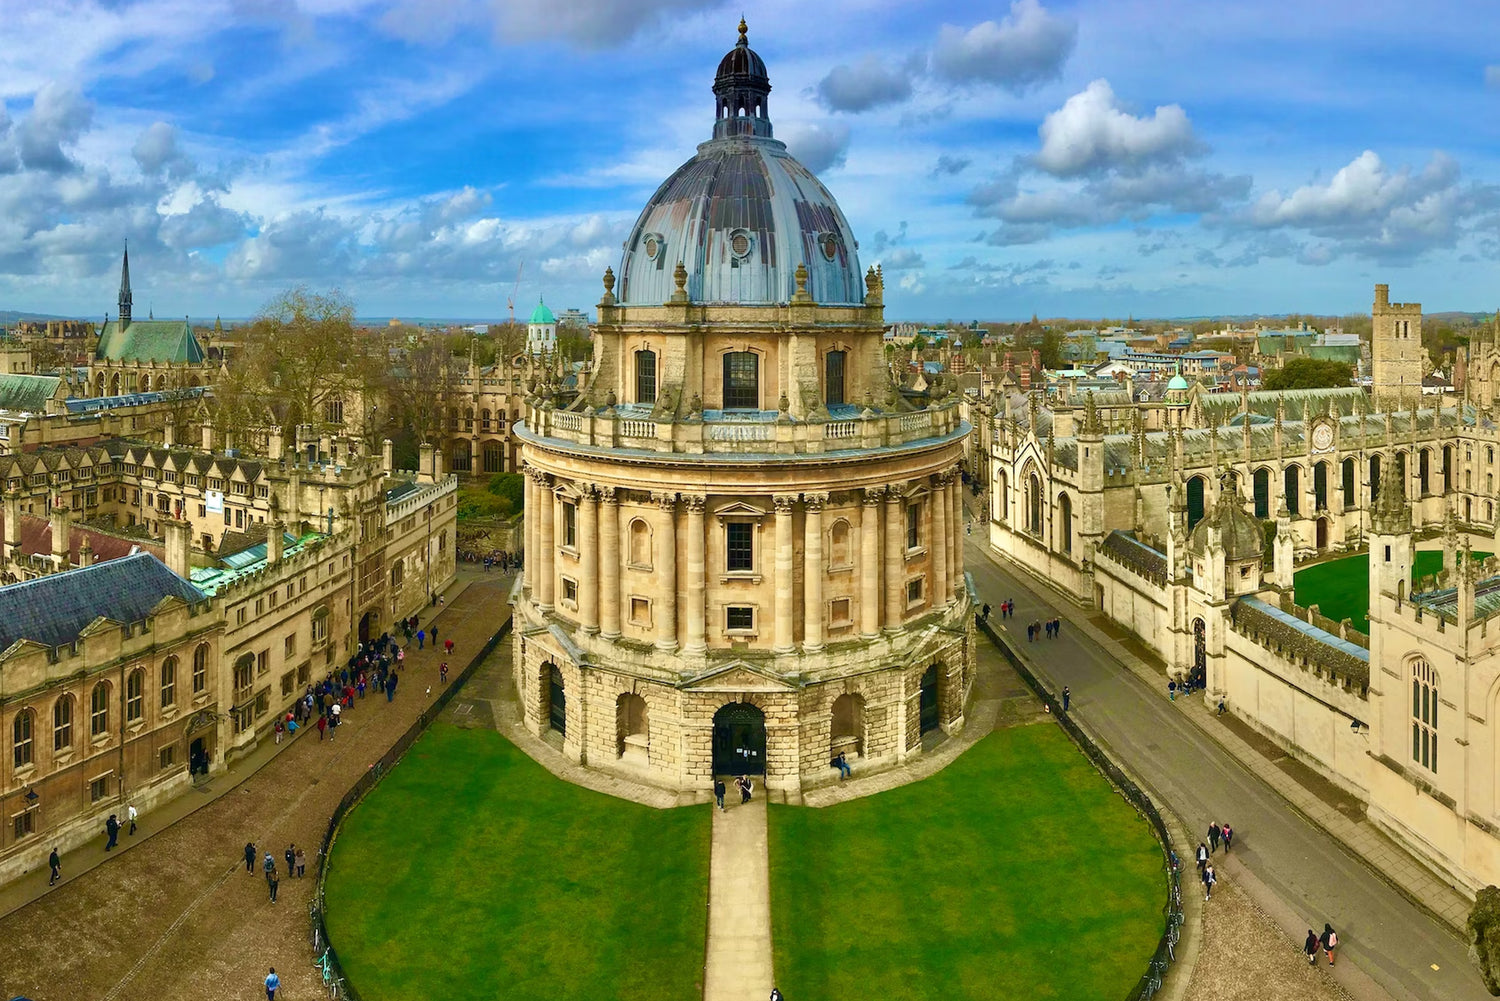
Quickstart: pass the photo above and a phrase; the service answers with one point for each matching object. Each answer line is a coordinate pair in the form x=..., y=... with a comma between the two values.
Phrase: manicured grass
x=1341, y=588
x=471, y=872
x=1016, y=872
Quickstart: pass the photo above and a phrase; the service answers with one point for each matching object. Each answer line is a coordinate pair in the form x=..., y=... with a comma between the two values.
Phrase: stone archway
x=557, y=703
x=928, y=706
x=739, y=740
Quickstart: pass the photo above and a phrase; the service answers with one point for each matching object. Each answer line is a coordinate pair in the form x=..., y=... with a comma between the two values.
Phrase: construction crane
x=510, y=300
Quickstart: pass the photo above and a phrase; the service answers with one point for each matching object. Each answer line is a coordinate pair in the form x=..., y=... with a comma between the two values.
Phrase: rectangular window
x=262, y=702
x=645, y=377
x=838, y=613
x=570, y=590
x=262, y=662
x=25, y=823
x=914, y=591
x=739, y=618
x=640, y=611
x=570, y=524
x=287, y=681
x=304, y=673
x=739, y=540
x=166, y=758
x=291, y=646
x=99, y=789
x=833, y=378
x=913, y=526
x=741, y=381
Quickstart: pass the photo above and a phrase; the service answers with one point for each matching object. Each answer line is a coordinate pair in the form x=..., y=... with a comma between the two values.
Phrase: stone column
x=941, y=543
x=528, y=532
x=895, y=559
x=609, y=563
x=546, y=580
x=588, y=563
x=666, y=571
x=696, y=583
x=785, y=560
x=956, y=535
x=812, y=571
x=869, y=564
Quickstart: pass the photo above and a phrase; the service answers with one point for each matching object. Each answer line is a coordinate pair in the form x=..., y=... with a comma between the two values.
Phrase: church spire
x=124, y=302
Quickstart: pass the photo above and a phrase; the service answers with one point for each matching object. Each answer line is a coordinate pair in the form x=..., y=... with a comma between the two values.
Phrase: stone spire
x=125, y=297
x=1391, y=516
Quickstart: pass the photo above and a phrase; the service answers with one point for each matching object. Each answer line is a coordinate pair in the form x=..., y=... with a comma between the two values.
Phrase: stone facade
x=741, y=522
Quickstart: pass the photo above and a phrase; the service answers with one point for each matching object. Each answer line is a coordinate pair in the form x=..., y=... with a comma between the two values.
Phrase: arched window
x=99, y=710
x=839, y=554
x=1401, y=472
x=1349, y=492
x=468, y=418
x=200, y=669
x=1424, y=715
x=21, y=738
x=741, y=381
x=484, y=419
x=1002, y=499
x=1260, y=485
x=1065, y=522
x=1447, y=468
x=1374, y=477
x=630, y=722
x=645, y=376
x=1034, y=505
x=1424, y=471
x=640, y=544
x=62, y=723
x=1320, y=486
x=463, y=456
x=1291, y=493
x=833, y=378
x=169, y=682
x=135, y=696
x=494, y=457
x=1194, y=501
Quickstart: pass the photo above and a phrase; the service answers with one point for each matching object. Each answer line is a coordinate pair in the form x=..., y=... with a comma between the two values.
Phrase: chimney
x=179, y=546
x=1382, y=295
x=169, y=432
x=274, y=540
x=208, y=438
x=276, y=446
x=85, y=553
x=61, y=536
x=388, y=456
x=12, y=525
x=426, y=457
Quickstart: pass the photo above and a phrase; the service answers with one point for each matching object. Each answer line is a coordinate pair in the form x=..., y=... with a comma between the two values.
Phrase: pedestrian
x=1172, y=690
x=291, y=859
x=443, y=672
x=719, y=791
x=112, y=828
x=301, y=863
x=985, y=614
x=279, y=729
x=268, y=866
x=1227, y=833
x=130, y=815
x=1214, y=833
x=1057, y=627
x=1209, y=879
x=1310, y=947
x=250, y=856
x=842, y=764
x=390, y=687
x=273, y=880
x=1067, y=697
x=432, y=634
x=1329, y=941
x=55, y=862
x=421, y=638
x=776, y=995
x=322, y=726
x=1202, y=857
x=1221, y=707
x=448, y=647
x=272, y=983
x=746, y=787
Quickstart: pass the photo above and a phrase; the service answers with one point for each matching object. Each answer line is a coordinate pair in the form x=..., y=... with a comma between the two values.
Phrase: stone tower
x=1398, y=359
x=1390, y=541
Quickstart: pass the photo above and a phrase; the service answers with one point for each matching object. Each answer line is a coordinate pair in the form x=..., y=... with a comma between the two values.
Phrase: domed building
x=743, y=541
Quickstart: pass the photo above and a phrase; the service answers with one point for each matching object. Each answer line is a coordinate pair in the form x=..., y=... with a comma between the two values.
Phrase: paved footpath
x=738, y=967
x=1402, y=948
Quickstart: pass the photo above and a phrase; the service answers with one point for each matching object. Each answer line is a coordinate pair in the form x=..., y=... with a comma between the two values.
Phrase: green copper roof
x=1178, y=381
x=149, y=340
x=27, y=392
x=542, y=314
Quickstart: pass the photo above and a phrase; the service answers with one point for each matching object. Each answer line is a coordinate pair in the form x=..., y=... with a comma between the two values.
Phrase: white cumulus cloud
x=1029, y=46
x=1091, y=131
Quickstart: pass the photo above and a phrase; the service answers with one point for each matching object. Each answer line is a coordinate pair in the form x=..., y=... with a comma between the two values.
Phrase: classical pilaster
x=696, y=584
x=588, y=552
x=528, y=531
x=956, y=536
x=666, y=571
x=941, y=543
x=895, y=559
x=869, y=564
x=546, y=548
x=785, y=560
x=812, y=571
x=609, y=563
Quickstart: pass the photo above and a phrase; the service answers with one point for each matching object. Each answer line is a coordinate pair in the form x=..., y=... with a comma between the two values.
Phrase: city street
x=1400, y=947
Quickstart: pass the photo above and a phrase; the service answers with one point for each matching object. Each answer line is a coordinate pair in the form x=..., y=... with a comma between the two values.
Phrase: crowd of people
x=496, y=559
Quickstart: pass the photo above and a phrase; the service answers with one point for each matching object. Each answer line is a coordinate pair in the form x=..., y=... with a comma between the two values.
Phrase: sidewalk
x=174, y=915
x=1361, y=839
x=738, y=967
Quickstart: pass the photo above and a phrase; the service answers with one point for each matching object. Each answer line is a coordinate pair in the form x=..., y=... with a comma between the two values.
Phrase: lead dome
x=742, y=214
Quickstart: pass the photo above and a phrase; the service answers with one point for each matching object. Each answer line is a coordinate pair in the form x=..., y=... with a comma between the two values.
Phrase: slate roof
x=53, y=610
x=149, y=340
x=36, y=540
x=27, y=392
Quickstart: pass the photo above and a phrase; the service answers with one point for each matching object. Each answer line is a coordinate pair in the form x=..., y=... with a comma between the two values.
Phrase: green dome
x=542, y=314
x=1178, y=381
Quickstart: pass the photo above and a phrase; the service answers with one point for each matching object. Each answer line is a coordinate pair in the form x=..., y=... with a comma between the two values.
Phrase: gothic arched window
x=1424, y=715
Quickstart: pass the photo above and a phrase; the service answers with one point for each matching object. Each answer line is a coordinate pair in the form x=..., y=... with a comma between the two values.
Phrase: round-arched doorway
x=739, y=740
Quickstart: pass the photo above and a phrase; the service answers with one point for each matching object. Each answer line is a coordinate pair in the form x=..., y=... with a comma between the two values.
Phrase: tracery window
x=1424, y=715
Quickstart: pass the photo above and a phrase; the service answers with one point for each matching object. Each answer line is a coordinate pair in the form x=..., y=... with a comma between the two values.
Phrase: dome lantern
x=741, y=89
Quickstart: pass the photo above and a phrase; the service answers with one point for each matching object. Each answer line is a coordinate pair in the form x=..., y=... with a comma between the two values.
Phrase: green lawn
x=1341, y=588
x=1016, y=872
x=471, y=872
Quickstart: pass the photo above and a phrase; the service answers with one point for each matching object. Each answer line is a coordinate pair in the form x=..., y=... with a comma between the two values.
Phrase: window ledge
x=915, y=552
x=841, y=568
x=25, y=772
x=643, y=567
x=741, y=577
x=740, y=635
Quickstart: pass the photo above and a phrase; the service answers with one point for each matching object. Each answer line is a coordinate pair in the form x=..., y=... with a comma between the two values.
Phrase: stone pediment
x=739, y=509
x=736, y=677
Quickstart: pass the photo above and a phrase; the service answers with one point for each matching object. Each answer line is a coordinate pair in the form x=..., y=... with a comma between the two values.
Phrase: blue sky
x=1162, y=158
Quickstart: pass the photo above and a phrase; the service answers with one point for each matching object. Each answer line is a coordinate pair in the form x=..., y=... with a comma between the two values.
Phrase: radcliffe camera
x=630, y=502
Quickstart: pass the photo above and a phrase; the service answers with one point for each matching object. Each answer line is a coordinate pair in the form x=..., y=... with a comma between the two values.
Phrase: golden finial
x=744, y=28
